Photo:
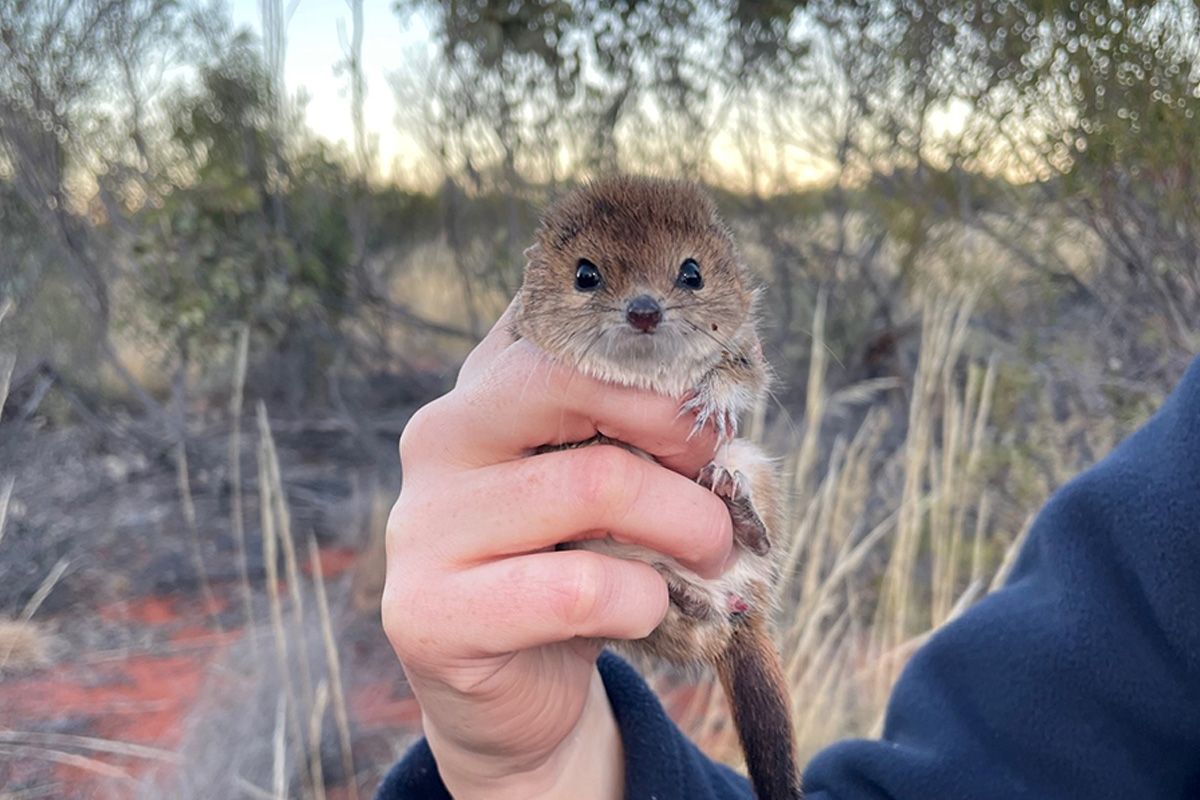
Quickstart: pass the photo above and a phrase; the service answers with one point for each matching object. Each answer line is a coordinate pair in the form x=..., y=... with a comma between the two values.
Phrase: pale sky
x=315, y=34
x=314, y=46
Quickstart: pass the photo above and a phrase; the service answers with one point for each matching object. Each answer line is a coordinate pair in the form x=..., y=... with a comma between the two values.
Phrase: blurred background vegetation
x=977, y=225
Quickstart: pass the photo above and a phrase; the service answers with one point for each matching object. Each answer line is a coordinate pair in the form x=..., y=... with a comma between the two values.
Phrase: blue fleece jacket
x=1080, y=679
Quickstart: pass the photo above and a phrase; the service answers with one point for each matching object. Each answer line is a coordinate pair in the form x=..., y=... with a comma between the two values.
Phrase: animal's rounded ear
x=532, y=251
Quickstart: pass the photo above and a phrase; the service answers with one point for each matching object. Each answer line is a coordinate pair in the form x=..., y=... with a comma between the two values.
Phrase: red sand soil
x=142, y=697
x=127, y=697
x=335, y=562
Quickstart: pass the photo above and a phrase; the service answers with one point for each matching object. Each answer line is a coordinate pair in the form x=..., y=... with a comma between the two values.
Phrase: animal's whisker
x=587, y=348
x=579, y=313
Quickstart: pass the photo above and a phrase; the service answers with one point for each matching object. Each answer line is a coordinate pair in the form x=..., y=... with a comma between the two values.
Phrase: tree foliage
x=212, y=257
x=614, y=71
x=150, y=151
x=1094, y=101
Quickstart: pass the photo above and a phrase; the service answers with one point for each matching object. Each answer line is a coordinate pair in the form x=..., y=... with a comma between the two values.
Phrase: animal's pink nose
x=644, y=313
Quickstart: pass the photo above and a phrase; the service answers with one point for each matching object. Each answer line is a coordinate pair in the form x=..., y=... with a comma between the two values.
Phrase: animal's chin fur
x=671, y=360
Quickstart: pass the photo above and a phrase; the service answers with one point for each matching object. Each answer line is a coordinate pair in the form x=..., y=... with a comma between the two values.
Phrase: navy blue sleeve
x=660, y=762
x=1079, y=679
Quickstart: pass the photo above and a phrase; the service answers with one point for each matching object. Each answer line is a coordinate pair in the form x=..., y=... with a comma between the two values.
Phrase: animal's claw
x=733, y=487
x=705, y=412
x=727, y=484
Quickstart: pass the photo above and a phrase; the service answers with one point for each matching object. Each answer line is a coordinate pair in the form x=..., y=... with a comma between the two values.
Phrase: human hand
x=499, y=632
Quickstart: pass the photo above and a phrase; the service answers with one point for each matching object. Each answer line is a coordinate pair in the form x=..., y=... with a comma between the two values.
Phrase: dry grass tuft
x=268, y=722
x=887, y=542
x=8, y=648
x=23, y=645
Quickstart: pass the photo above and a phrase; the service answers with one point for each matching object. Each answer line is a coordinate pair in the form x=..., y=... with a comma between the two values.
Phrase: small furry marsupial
x=636, y=281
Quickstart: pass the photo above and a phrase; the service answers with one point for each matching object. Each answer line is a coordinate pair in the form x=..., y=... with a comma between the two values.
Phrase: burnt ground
x=131, y=642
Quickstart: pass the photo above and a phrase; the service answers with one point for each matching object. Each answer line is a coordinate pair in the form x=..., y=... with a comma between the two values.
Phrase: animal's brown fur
x=752, y=675
x=638, y=232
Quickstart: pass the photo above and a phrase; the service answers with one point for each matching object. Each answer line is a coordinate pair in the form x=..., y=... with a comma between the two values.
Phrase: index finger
x=525, y=399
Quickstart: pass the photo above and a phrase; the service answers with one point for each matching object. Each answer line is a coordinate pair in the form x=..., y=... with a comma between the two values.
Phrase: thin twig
x=189, y=518
x=5, y=496
x=267, y=508
x=283, y=528
x=235, y=479
x=320, y=703
x=22, y=753
x=1010, y=556
x=335, y=668
x=7, y=364
x=89, y=743
x=279, y=765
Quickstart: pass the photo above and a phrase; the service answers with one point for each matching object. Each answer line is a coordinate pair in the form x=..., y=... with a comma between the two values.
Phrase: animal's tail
x=752, y=675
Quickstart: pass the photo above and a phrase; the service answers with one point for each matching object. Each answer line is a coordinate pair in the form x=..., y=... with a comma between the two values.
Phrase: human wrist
x=587, y=765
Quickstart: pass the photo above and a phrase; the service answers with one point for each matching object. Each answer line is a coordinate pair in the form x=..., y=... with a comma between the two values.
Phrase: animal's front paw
x=729, y=485
x=733, y=487
x=723, y=420
x=690, y=602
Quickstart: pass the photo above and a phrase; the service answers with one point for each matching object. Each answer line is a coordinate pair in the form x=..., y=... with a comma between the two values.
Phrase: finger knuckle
x=583, y=589
x=399, y=623
x=406, y=527
x=604, y=481
x=418, y=433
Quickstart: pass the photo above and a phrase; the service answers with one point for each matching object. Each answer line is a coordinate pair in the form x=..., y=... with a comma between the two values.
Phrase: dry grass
x=5, y=498
x=22, y=628
x=23, y=645
x=302, y=704
x=86, y=743
x=69, y=750
x=33, y=793
x=236, y=514
x=885, y=545
x=7, y=364
x=262, y=730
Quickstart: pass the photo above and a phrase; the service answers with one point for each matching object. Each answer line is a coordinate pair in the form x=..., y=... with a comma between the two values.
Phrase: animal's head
x=633, y=271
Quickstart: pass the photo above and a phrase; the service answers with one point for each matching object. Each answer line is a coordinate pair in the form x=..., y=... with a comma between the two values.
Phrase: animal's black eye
x=689, y=275
x=587, y=277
